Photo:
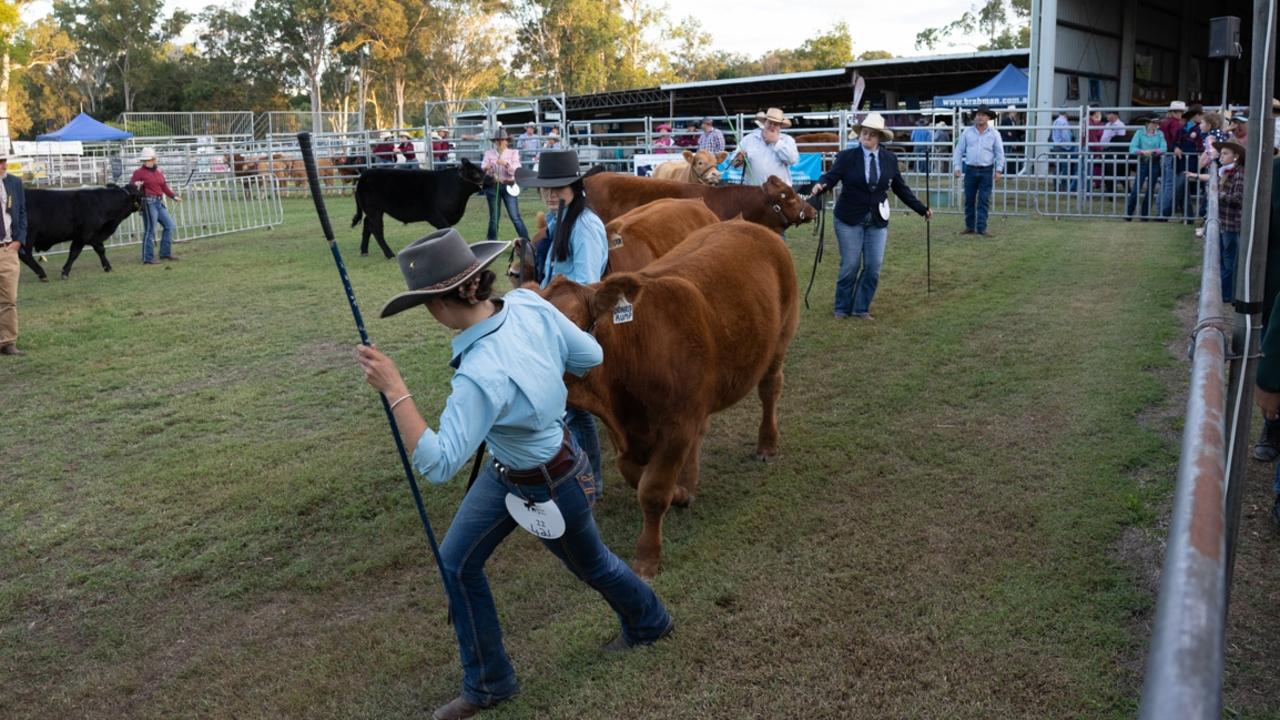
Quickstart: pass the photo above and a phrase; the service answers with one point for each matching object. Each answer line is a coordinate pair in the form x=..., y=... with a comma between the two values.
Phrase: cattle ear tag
x=623, y=312
x=539, y=518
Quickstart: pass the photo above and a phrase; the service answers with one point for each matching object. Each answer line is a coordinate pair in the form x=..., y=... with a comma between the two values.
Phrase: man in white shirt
x=767, y=151
x=1113, y=147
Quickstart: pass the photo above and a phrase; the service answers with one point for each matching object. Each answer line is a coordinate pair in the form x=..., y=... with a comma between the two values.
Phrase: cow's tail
x=359, y=210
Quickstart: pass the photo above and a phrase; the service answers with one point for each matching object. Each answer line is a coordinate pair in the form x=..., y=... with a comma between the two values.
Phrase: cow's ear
x=688, y=156
x=614, y=288
x=720, y=156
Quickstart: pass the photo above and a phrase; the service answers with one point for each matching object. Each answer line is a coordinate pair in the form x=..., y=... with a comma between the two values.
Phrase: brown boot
x=11, y=349
x=456, y=709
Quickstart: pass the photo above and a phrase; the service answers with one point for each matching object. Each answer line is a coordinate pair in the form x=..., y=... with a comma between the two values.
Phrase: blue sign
x=807, y=170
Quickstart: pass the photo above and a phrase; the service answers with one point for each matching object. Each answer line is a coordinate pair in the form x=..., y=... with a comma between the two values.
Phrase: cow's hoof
x=364, y=254
x=44, y=278
x=682, y=498
x=646, y=569
x=765, y=456
x=63, y=276
x=106, y=269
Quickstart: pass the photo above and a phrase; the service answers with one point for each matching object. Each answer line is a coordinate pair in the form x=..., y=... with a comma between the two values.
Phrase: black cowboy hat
x=437, y=264
x=556, y=168
x=1193, y=111
x=984, y=110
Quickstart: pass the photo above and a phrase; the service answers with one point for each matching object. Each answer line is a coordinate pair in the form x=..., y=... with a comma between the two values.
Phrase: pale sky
x=754, y=26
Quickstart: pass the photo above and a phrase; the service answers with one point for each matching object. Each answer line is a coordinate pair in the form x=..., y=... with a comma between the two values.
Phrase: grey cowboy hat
x=437, y=264
x=556, y=168
x=499, y=134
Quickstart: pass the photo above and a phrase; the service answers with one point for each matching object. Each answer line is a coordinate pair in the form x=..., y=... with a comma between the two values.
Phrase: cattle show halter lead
x=313, y=181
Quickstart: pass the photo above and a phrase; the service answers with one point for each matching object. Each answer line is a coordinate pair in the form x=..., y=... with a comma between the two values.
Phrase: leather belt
x=558, y=465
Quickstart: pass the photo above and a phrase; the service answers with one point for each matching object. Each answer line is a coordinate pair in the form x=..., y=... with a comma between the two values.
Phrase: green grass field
x=203, y=515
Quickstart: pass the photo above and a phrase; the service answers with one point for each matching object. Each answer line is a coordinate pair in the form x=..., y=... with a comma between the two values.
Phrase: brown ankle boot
x=456, y=709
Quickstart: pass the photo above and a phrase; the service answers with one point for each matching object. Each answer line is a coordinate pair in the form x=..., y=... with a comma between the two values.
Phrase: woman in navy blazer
x=866, y=172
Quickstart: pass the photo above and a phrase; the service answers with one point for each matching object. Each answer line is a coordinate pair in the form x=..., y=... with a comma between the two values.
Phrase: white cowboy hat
x=435, y=135
x=874, y=121
x=385, y=136
x=1177, y=106
x=148, y=153
x=773, y=114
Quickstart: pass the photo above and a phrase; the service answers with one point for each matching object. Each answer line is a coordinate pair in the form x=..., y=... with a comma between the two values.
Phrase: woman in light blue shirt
x=510, y=357
x=576, y=248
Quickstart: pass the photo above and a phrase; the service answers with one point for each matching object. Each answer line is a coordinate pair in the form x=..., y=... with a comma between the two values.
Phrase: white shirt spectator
x=1114, y=129
x=764, y=159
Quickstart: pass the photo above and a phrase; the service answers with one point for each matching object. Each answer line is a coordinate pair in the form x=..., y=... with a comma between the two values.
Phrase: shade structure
x=86, y=129
x=1007, y=87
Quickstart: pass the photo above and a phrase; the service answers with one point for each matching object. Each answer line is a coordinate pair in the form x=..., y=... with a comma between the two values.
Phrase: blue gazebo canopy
x=85, y=129
x=1007, y=87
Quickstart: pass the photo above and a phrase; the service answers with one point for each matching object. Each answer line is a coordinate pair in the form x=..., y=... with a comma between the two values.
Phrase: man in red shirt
x=154, y=188
x=1170, y=127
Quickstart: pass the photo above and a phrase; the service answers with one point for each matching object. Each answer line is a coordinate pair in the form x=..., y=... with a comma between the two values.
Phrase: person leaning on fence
x=1230, y=209
x=13, y=237
x=1187, y=152
x=384, y=151
x=529, y=143
x=501, y=163
x=1094, y=148
x=866, y=173
x=510, y=357
x=711, y=139
x=1064, y=146
x=150, y=179
x=575, y=247
x=1112, y=134
x=406, y=150
x=1012, y=133
x=921, y=142
x=767, y=150
x=979, y=159
x=1147, y=146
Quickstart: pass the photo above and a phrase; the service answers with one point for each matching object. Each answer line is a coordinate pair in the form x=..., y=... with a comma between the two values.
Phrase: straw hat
x=148, y=153
x=774, y=114
x=874, y=121
x=437, y=264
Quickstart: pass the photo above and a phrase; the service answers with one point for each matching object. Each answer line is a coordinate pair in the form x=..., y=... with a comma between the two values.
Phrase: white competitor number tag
x=623, y=312
x=884, y=209
x=539, y=518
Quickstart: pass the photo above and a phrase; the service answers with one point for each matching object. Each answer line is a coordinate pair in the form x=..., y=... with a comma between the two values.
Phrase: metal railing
x=211, y=207
x=188, y=124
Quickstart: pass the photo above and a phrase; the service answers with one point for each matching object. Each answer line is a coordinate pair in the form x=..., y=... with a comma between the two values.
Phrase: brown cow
x=699, y=167
x=636, y=239
x=706, y=323
x=822, y=142
x=774, y=204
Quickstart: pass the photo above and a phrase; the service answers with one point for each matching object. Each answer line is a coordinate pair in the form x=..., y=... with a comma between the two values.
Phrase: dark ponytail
x=564, y=225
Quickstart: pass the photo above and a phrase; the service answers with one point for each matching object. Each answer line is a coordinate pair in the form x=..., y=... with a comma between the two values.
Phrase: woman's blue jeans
x=512, y=204
x=861, y=255
x=583, y=428
x=482, y=523
x=1228, y=240
x=154, y=212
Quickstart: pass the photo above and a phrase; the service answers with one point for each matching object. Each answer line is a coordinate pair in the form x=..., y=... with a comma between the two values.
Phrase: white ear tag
x=623, y=312
x=539, y=518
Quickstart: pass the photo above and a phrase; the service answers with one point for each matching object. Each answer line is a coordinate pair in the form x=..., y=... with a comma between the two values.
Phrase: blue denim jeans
x=1174, y=182
x=861, y=255
x=154, y=211
x=1227, y=256
x=977, y=197
x=482, y=523
x=1145, y=184
x=582, y=426
x=512, y=204
x=1066, y=169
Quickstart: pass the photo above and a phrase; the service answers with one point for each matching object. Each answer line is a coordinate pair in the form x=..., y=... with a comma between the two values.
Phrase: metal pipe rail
x=1184, y=667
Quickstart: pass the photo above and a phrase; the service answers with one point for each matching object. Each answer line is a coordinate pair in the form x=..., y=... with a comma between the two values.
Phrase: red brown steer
x=709, y=321
x=774, y=205
x=699, y=167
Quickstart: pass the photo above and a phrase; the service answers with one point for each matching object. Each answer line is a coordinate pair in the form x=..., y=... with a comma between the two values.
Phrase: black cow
x=436, y=196
x=87, y=216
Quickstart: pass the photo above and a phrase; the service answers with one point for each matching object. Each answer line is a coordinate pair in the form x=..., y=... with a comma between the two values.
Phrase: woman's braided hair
x=476, y=290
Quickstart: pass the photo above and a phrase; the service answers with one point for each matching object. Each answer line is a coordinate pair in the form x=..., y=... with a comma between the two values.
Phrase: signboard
x=807, y=170
x=48, y=147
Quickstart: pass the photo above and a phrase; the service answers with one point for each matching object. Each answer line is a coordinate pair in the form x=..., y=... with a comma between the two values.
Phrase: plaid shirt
x=1231, y=199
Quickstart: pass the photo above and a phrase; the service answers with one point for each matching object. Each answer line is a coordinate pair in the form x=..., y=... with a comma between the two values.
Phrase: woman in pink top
x=500, y=163
x=663, y=143
x=154, y=188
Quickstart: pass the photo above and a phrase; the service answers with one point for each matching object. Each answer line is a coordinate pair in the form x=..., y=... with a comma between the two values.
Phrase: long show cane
x=313, y=180
x=928, y=227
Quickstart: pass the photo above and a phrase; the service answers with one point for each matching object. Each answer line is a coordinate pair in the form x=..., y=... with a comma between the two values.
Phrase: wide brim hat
x=873, y=121
x=984, y=110
x=147, y=154
x=1235, y=147
x=437, y=264
x=1177, y=106
x=774, y=114
x=1193, y=111
x=499, y=134
x=556, y=168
